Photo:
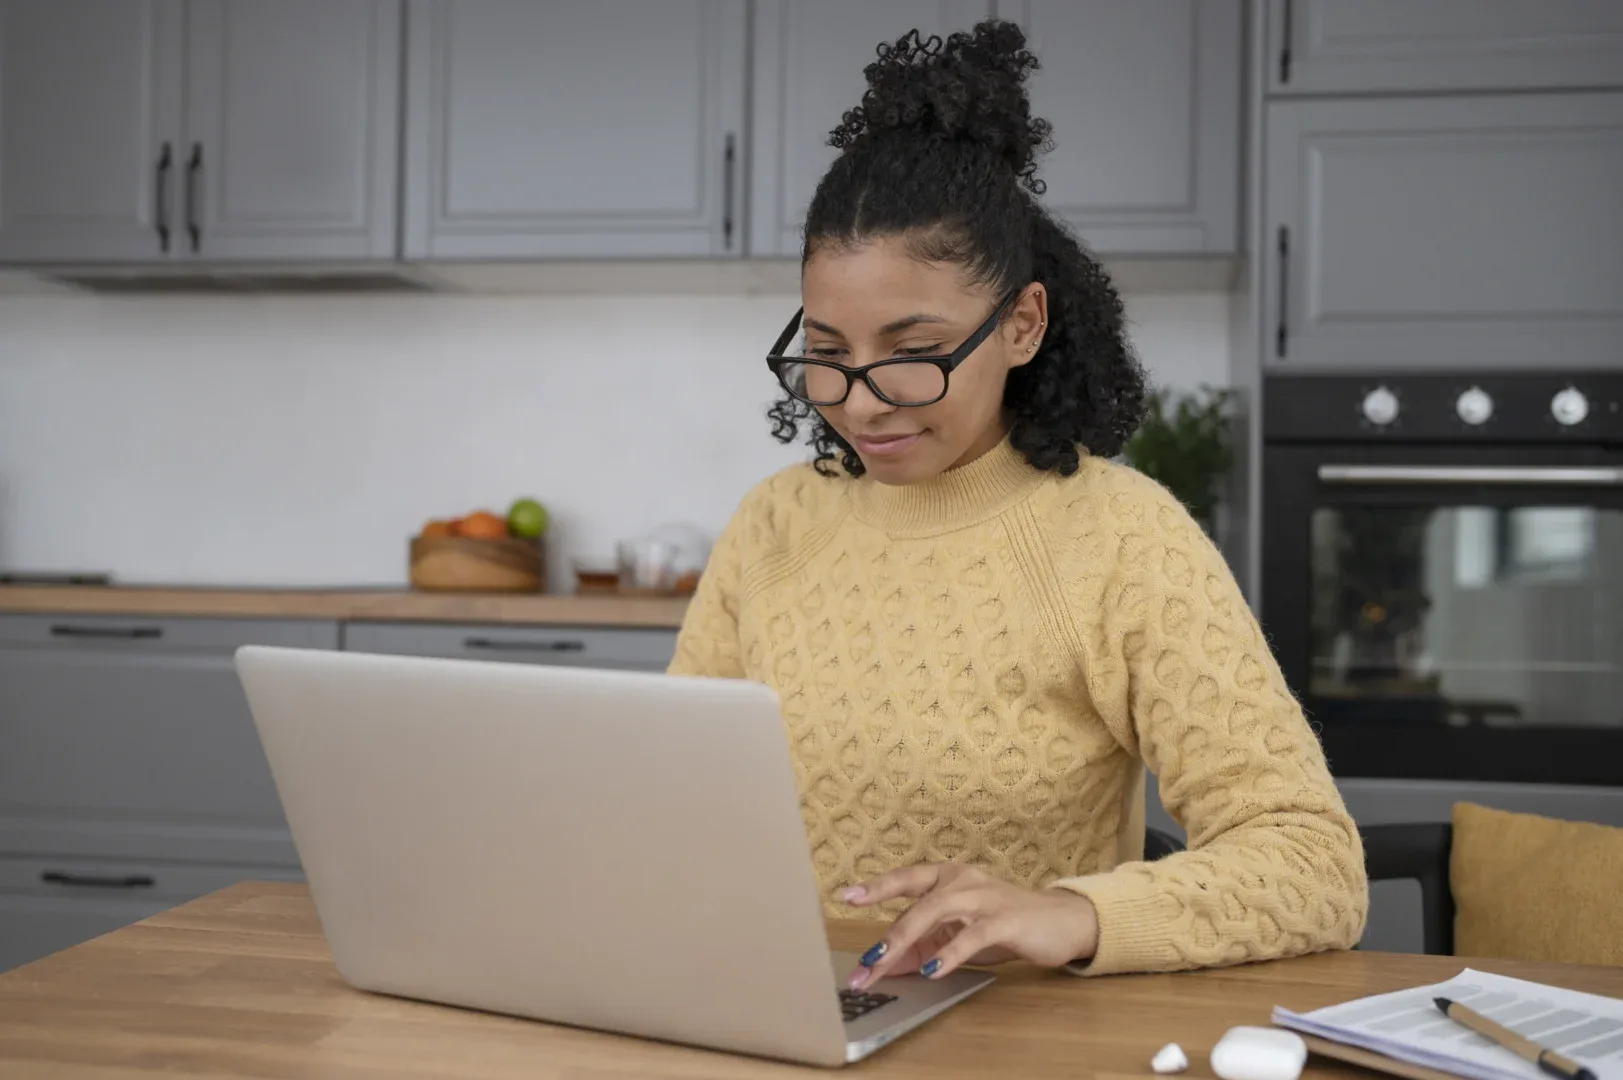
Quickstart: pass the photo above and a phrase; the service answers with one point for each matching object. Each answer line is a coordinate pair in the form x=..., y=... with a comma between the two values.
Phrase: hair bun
x=969, y=88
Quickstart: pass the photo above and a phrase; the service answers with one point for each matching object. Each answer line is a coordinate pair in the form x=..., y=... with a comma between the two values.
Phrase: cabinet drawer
x=163, y=634
x=51, y=904
x=643, y=650
x=128, y=726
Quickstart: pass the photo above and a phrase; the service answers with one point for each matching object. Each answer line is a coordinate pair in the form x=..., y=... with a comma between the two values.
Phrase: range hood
x=580, y=277
x=231, y=279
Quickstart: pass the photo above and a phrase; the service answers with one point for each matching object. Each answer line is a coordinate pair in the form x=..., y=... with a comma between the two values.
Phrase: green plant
x=1186, y=443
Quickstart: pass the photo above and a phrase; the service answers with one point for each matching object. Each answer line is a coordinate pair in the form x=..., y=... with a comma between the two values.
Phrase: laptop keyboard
x=855, y=1003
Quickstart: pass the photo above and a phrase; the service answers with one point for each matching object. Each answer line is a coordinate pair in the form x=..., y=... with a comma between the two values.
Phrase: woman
x=981, y=630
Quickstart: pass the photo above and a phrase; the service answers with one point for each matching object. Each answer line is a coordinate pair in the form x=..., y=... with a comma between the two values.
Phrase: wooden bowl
x=463, y=564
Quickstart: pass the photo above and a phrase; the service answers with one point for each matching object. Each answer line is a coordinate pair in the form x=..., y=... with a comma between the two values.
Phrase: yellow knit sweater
x=978, y=668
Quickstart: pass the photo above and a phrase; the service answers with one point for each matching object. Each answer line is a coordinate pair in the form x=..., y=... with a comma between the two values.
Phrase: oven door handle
x=1556, y=475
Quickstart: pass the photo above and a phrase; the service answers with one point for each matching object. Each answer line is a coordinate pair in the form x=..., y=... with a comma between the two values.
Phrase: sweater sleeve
x=708, y=643
x=1178, y=668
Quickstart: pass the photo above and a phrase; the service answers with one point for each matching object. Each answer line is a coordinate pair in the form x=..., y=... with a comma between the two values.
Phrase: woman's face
x=877, y=302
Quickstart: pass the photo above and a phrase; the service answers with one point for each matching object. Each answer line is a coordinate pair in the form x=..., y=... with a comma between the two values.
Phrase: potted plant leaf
x=1186, y=443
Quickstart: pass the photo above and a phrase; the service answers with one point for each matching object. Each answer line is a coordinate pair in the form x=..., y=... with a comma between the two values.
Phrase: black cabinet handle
x=98, y=881
x=1282, y=331
x=729, y=162
x=161, y=218
x=1285, y=44
x=194, y=227
x=497, y=645
x=122, y=633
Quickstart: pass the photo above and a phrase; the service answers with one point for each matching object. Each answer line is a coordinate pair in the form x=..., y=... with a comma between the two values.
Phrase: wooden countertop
x=401, y=605
x=241, y=984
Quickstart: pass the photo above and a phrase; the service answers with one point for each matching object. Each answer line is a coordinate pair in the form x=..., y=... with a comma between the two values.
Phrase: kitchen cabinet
x=625, y=649
x=198, y=129
x=1145, y=103
x=131, y=738
x=1469, y=231
x=89, y=126
x=1374, y=46
x=292, y=128
x=808, y=57
x=1144, y=99
x=609, y=129
x=50, y=903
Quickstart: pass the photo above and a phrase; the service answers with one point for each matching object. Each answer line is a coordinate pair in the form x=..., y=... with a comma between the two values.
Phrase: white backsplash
x=301, y=440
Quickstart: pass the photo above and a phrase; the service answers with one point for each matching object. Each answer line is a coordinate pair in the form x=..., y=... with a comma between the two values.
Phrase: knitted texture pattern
x=980, y=667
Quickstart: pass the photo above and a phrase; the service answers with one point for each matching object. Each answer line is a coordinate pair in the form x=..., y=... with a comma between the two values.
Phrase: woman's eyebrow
x=895, y=326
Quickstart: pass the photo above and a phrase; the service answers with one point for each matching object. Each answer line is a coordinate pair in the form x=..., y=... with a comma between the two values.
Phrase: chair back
x=1417, y=852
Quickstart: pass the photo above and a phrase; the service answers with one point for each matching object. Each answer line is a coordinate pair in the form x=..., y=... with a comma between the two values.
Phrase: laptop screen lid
x=614, y=850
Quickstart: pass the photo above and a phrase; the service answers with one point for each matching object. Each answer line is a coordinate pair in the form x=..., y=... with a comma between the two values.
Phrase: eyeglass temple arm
x=961, y=353
x=788, y=334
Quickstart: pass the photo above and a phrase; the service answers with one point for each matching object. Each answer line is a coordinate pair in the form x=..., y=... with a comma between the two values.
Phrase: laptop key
x=855, y=1003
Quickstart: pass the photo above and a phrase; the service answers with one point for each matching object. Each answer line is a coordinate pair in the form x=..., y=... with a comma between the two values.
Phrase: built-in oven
x=1442, y=571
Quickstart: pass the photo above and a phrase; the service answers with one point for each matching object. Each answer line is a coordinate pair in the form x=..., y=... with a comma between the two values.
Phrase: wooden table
x=241, y=984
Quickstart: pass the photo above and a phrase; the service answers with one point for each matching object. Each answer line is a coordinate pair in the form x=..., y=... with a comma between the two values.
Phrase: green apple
x=527, y=518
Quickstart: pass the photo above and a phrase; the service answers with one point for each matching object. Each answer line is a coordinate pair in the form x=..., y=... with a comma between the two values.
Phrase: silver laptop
x=610, y=850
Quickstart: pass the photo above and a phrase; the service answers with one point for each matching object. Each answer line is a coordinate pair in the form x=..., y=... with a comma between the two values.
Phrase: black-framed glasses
x=903, y=381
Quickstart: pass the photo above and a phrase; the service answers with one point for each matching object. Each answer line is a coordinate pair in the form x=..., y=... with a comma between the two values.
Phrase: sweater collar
x=956, y=498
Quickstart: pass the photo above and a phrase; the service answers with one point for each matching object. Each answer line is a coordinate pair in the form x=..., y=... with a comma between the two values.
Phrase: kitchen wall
x=301, y=440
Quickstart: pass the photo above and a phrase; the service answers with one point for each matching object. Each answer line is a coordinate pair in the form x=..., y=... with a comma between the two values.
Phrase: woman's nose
x=863, y=404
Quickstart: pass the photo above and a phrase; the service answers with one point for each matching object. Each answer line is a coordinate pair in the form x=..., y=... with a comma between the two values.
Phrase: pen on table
x=1548, y=1060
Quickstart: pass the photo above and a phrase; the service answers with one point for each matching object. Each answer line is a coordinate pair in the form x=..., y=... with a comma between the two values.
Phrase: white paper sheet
x=1407, y=1025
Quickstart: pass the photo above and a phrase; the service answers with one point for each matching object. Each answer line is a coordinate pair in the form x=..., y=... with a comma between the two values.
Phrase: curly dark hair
x=942, y=152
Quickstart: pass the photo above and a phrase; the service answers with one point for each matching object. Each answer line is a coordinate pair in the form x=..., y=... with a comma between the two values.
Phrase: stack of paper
x=1406, y=1025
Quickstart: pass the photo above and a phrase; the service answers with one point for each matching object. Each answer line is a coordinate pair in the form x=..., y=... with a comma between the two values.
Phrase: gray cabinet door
x=1351, y=46
x=612, y=128
x=89, y=108
x=1145, y=103
x=292, y=129
x=595, y=647
x=1446, y=232
x=806, y=72
x=138, y=727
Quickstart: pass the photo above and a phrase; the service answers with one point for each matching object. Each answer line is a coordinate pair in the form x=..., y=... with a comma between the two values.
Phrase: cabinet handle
x=123, y=633
x=1545, y=475
x=1282, y=331
x=193, y=226
x=1285, y=43
x=497, y=645
x=729, y=161
x=98, y=881
x=161, y=218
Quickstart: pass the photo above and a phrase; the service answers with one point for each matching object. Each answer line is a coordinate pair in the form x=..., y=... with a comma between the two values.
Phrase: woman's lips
x=883, y=445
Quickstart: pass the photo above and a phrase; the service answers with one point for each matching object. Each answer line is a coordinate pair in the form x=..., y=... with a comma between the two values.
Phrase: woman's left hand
x=965, y=916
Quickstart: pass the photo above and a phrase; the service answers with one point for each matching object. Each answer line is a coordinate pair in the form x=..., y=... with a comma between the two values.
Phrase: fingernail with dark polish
x=930, y=967
x=873, y=955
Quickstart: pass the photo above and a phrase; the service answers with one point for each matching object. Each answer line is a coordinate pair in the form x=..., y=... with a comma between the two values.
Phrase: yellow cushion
x=1535, y=888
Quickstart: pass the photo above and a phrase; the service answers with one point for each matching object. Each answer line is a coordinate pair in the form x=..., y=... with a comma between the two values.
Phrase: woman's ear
x=1027, y=323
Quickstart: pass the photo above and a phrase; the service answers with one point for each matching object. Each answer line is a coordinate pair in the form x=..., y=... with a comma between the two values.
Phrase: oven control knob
x=1569, y=407
x=1380, y=406
x=1474, y=406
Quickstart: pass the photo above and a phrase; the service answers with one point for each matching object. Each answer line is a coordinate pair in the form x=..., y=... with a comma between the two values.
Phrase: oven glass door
x=1456, y=614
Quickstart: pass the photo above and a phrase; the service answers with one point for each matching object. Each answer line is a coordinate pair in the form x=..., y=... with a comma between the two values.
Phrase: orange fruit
x=437, y=527
x=482, y=525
